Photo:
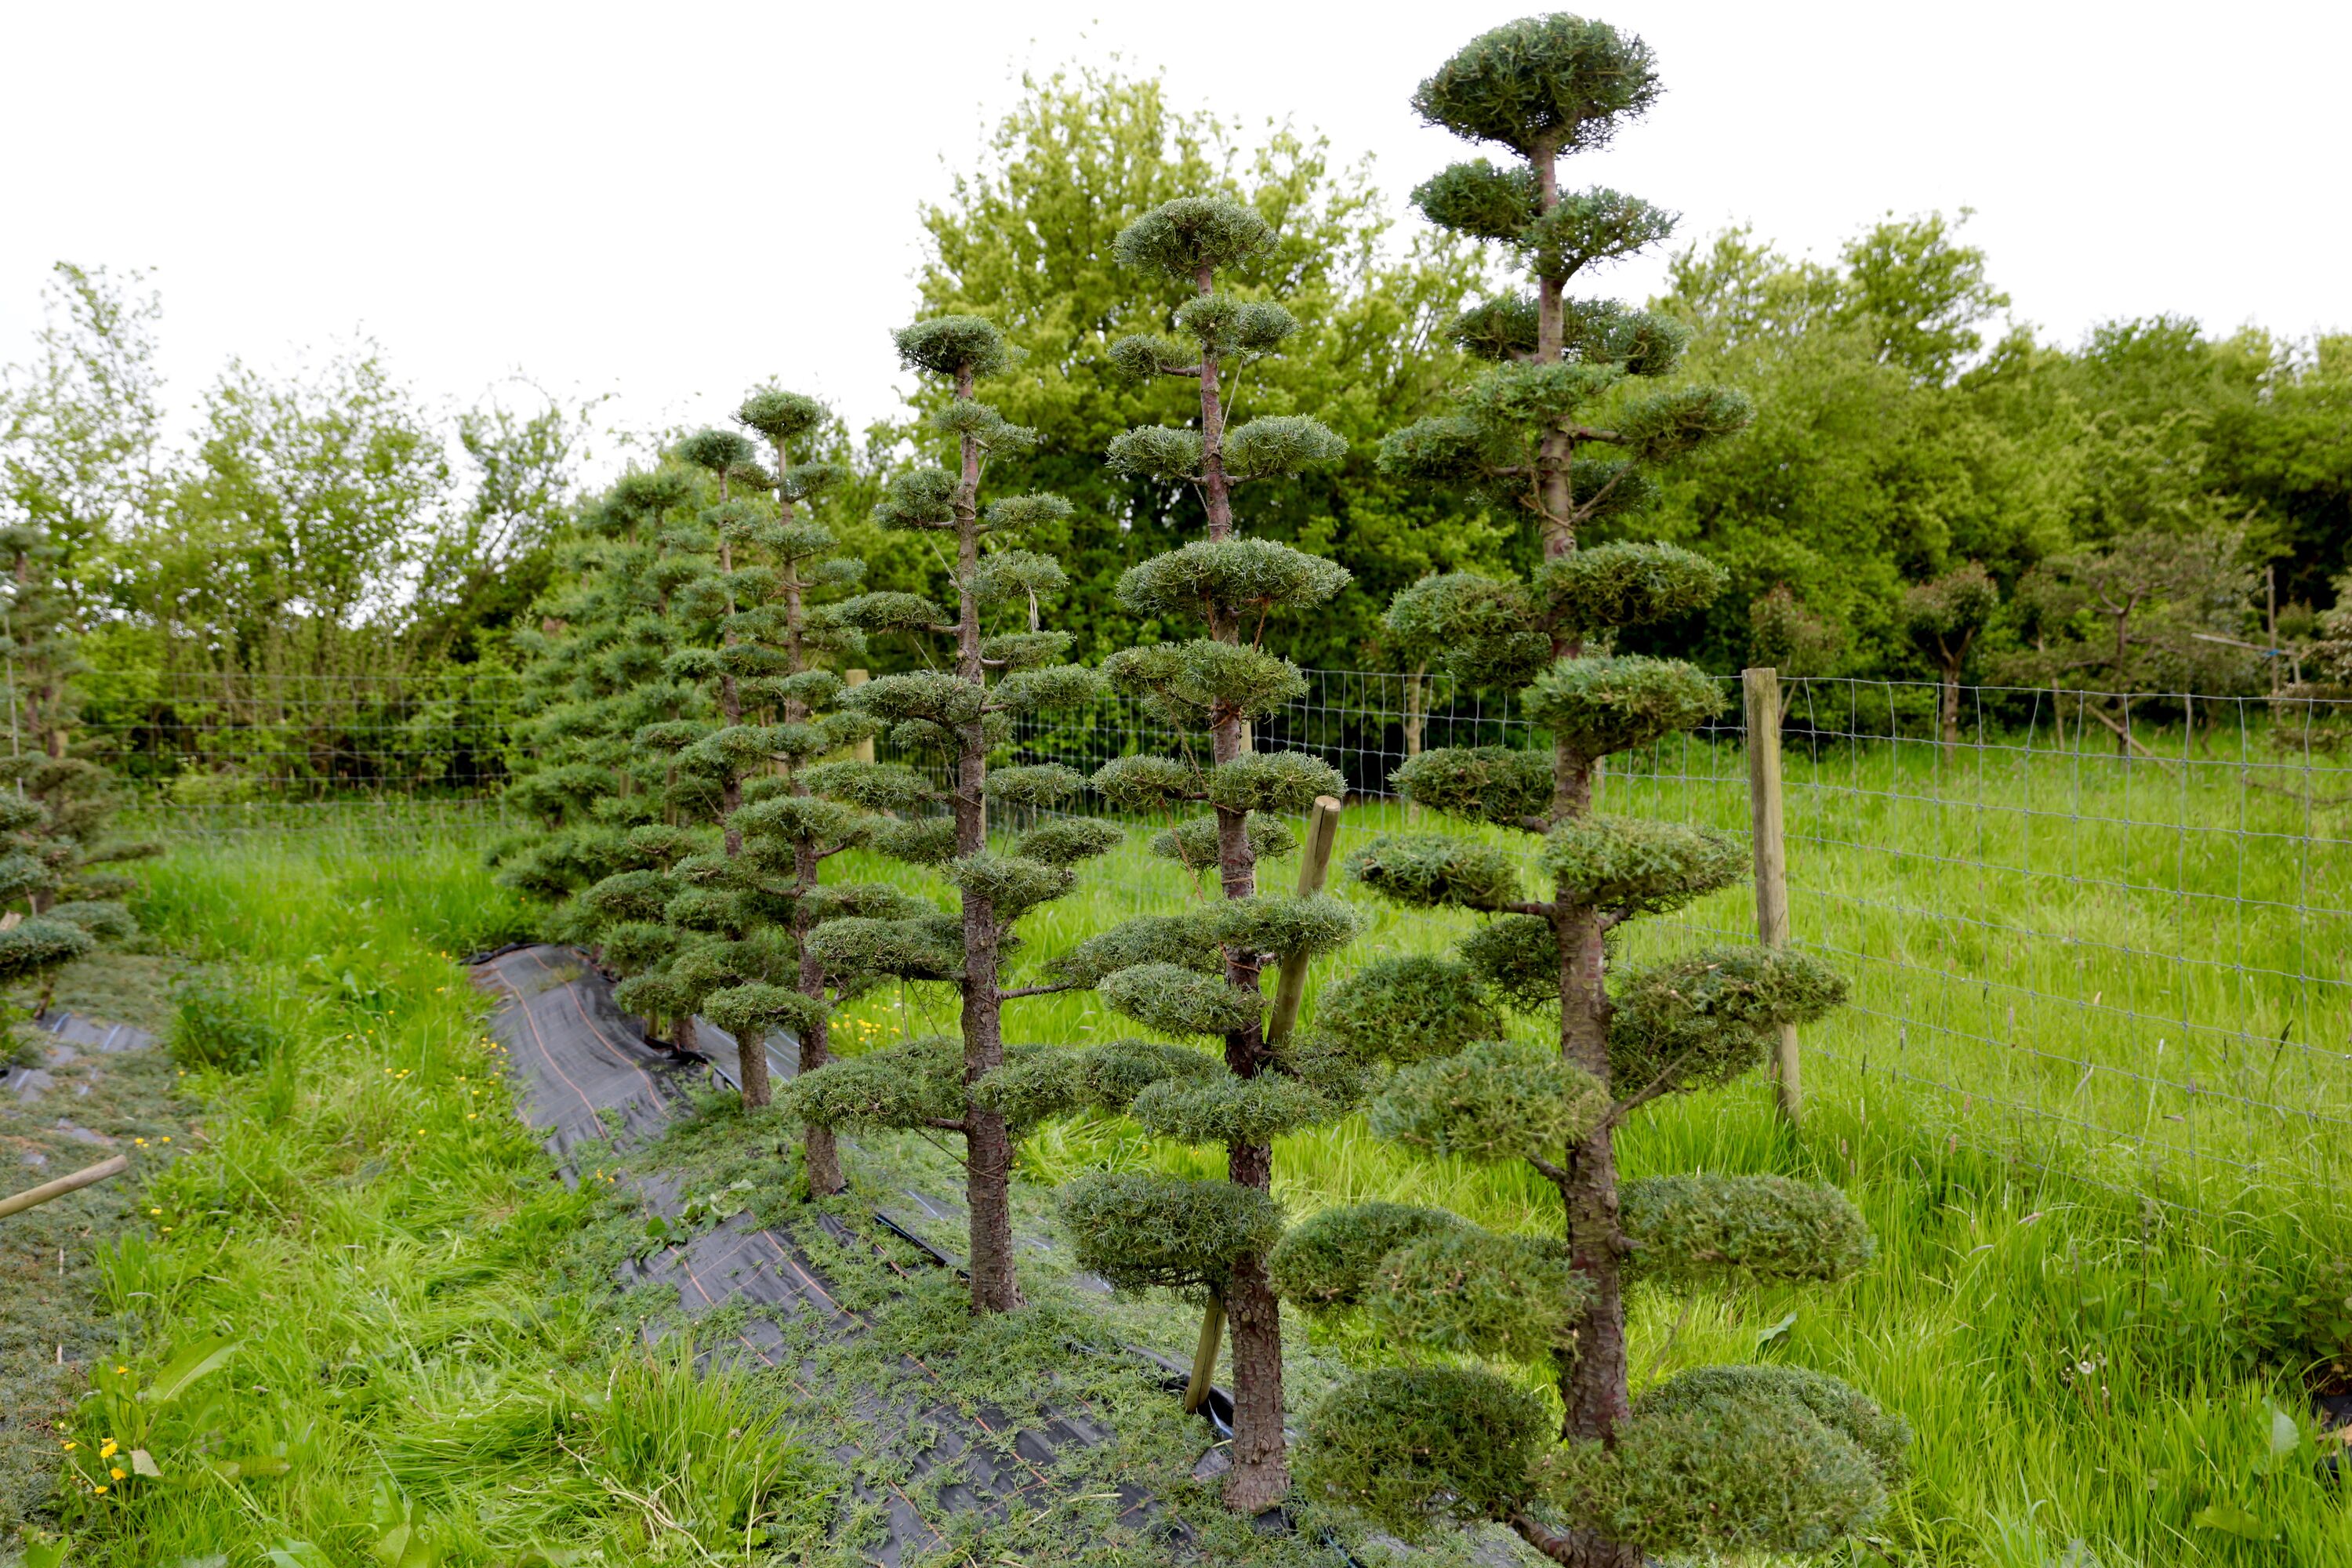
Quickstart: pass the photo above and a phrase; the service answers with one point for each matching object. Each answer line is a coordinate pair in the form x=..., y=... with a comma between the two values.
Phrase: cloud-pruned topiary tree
x=959, y=717
x=1198, y=973
x=56, y=862
x=685, y=717
x=1725, y=1460
x=592, y=676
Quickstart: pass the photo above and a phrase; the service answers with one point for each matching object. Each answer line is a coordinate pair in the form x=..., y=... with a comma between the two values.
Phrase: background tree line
x=2141, y=504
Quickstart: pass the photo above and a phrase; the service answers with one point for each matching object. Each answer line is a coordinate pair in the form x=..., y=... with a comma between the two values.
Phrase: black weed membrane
x=929, y=1465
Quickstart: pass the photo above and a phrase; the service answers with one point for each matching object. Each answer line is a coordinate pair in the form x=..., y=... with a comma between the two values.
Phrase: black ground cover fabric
x=586, y=1073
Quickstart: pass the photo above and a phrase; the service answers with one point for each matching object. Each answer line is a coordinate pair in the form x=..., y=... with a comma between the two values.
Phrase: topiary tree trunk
x=1733, y=1460
x=960, y=718
x=1200, y=974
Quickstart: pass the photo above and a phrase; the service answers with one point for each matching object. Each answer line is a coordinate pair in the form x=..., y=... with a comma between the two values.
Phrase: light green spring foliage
x=1579, y=401
x=1143, y=1230
x=1729, y=1459
x=1499, y=1099
x=1472, y=1292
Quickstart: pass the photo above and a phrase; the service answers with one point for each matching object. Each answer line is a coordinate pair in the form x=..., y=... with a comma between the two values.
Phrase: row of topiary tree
x=61, y=887
x=698, y=768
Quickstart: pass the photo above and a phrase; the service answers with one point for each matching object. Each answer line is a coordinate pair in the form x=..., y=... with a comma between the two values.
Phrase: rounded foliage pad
x=1618, y=703
x=1557, y=82
x=1329, y=1259
x=1727, y=1467
x=1431, y=869
x=1507, y=785
x=1182, y=236
x=1219, y=1108
x=1705, y=1018
x=1417, y=1448
x=1177, y=1001
x=1500, y=1099
x=1511, y=1297
x=1639, y=866
x=1697, y=1228
x=1139, y=1228
x=1408, y=1009
x=1623, y=585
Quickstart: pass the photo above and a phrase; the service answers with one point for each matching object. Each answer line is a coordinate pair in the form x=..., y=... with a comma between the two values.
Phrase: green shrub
x=1413, y=1447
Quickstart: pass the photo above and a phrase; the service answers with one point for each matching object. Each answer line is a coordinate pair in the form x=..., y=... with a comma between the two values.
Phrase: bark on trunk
x=1593, y=1391
x=1261, y=1473
x=988, y=1144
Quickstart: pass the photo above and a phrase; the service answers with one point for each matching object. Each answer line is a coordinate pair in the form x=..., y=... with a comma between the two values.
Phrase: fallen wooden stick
x=32, y=1197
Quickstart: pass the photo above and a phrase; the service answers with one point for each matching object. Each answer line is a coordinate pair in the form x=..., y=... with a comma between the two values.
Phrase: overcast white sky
x=484, y=186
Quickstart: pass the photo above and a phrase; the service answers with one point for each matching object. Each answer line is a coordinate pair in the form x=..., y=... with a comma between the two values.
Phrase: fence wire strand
x=2103, y=932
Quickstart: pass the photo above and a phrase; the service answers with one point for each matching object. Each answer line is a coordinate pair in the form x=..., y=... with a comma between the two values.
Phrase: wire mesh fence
x=2102, y=932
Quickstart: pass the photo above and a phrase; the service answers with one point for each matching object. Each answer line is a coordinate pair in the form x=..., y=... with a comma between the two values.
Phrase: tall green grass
x=402, y=1352
x=2060, y=1298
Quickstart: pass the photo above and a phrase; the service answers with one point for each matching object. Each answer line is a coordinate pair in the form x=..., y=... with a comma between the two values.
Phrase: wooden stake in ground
x=33, y=1197
x=1762, y=688
x=1290, y=987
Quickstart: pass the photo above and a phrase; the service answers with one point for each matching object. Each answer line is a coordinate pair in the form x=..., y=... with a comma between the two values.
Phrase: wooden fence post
x=1762, y=688
x=1314, y=865
x=864, y=750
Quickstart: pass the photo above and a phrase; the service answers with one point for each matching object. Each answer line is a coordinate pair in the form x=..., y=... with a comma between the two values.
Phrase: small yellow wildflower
x=71, y=1445
x=117, y=1471
x=97, y=1491
x=105, y=1449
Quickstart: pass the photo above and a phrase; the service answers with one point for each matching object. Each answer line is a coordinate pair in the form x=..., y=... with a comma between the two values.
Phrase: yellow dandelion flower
x=117, y=1471
x=105, y=1449
x=71, y=1445
x=97, y=1491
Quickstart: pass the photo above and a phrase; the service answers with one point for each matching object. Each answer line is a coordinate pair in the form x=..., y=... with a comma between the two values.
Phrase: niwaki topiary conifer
x=693, y=695
x=59, y=889
x=1721, y=1461
x=1002, y=663
x=1198, y=975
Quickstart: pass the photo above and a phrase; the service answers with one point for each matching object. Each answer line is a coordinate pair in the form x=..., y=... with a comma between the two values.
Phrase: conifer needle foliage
x=1000, y=662
x=690, y=776
x=54, y=859
x=1198, y=975
x=1579, y=402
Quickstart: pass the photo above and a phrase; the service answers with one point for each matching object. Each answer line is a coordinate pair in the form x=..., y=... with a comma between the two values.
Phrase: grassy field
x=2068, y=1304
x=358, y=1253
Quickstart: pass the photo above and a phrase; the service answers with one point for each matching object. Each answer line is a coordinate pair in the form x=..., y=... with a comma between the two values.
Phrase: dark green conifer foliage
x=1720, y=1460
x=56, y=883
x=685, y=710
x=1199, y=975
x=1003, y=664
